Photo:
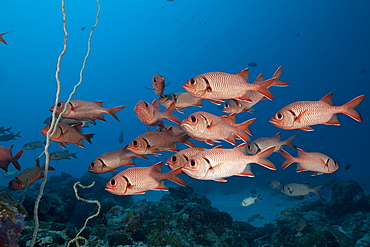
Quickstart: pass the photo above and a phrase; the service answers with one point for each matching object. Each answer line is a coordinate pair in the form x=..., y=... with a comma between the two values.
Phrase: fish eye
x=174, y=159
x=279, y=116
x=155, y=80
x=59, y=104
x=226, y=105
x=193, y=119
x=146, y=104
x=192, y=81
x=192, y=163
x=135, y=143
x=92, y=164
x=113, y=182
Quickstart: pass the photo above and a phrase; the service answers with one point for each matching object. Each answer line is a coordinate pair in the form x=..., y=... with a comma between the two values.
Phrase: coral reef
x=185, y=218
x=12, y=216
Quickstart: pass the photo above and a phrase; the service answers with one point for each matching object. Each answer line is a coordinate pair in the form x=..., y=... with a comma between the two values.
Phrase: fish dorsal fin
x=300, y=151
x=244, y=74
x=278, y=135
x=278, y=72
x=155, y=104
x=231, y=119
x=157, y=167
x=328, y=99
x=99, y=103
x=259, y=78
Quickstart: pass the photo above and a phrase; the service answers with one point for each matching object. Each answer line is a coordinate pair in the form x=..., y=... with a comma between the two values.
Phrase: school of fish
x=214, y=163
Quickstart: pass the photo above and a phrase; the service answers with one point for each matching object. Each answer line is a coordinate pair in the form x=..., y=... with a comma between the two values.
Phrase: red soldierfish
x=154, y=142
x=20, y=181
x=6, y=158
x=137, y=180
x=219, y=163
x=302, y=114
x=237, y=106
x=295, y=189
x=310, y=161
x=2, y=39
x=150, y=113
x=110, y=161
x=262, y=143
x=210, y=128
x=80, y=109
x=219, y=85
x=65, y=133
x=158, y=84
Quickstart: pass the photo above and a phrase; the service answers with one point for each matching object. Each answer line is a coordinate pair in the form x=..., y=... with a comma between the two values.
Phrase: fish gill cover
x=321, y=52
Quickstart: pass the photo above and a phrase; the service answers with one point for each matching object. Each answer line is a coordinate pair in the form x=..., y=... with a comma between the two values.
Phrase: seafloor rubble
x=185, y=218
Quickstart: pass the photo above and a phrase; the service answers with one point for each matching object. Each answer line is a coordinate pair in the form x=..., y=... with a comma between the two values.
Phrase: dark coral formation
x=12, y=216
x=184, y=218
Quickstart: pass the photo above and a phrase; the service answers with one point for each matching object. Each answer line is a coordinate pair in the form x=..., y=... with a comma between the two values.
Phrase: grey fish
x=59, y=155
x=8, y=137
x=33, y=145
x=2, y=130
x=120, y=137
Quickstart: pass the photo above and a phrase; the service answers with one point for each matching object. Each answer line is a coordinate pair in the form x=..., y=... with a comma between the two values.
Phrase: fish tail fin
x=289, y=142
x=8, y=129
x=167, y=114
x=172, y=175
x=349, y=108
x=18, y=134
x=50, y=168
x=262, y=88
x=185, y=139
x=289, y=159
x=114, y=110
x=278, y=82
x=314, y=190
x=2, y=39
x=15, y=160
x=74, y=155
x=241, y=128
x=261, y=158
x=88, y=137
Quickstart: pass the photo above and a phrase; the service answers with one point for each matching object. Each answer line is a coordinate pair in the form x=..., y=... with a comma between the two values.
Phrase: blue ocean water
x=323, y=46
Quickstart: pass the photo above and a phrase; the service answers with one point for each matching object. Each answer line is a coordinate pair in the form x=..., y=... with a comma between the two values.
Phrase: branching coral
x=55, y=120
x=78, y=237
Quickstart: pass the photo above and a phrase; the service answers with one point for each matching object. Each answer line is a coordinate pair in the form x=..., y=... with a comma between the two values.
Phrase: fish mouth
x=186, y=127
x=110, y=190
x=274, y=122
